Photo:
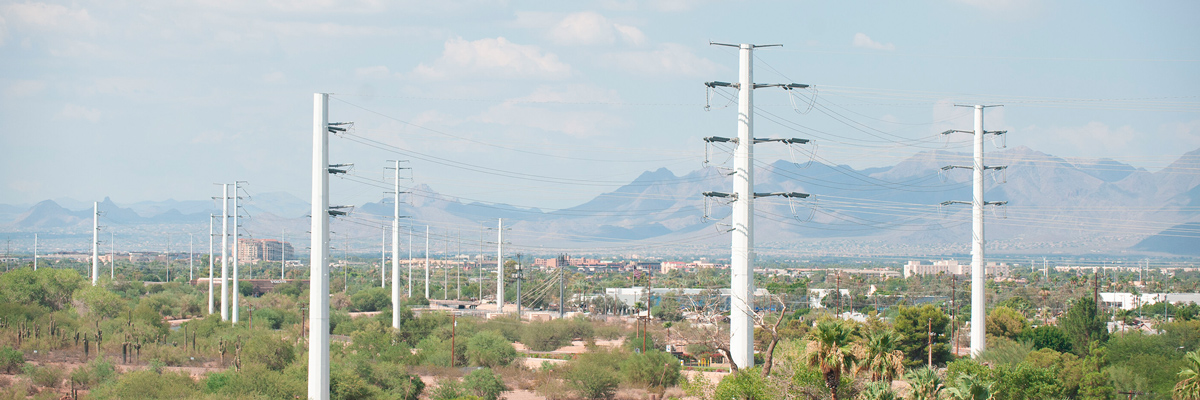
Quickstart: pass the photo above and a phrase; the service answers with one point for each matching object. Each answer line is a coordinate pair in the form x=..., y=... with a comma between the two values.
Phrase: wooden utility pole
x=930, y=345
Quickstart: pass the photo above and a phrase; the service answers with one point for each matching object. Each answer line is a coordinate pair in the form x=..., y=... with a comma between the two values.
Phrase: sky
x=547, y=104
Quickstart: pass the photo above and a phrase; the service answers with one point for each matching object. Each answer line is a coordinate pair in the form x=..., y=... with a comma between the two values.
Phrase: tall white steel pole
x=499, y=265
x=236, y=238
x=283, y=255
x=410, y=259
x=211, y=303
x=35, y=252
x=383, y=259
x=426, y=262
x=741, y=326
x=396, y=251
x=95, y=243
x=318, y=344
x=224, y=251
x=978, y=303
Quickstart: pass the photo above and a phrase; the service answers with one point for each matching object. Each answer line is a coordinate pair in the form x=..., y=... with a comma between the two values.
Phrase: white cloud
x=493, y=57
x=864, y=41
x=523, y=112
x=375, y=72
x=584, y=28
x=42, y=17
x=590, y=28
x=24, y=88
x=630, y=34
x=72, y=111
x=669, y=58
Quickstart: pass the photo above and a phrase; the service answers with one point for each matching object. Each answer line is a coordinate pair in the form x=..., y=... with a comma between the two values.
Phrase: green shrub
x=546, y=336
x=485, y=383
x=653, y=368
x=373, y=299
x=449, y=389
x=11, y=359
x=147, y=384
x=96, y=372
x=743, y=385
x=592, y=381
x=44, y=375
x=490, y=349
x=269, y=351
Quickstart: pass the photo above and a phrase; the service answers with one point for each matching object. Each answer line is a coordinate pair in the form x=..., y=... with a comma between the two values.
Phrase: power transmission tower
x=95, y=243
x=236, y=254
x=741, y=328
x=978, y=273
x=318, y=344
x=224, y=251
x=396, y=249
x=210, y=263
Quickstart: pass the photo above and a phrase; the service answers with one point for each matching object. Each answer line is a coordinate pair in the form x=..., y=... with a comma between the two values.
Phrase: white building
x=1129, y=301
x=991, y=269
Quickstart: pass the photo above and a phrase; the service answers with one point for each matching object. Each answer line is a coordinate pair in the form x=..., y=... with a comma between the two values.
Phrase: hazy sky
x=547, y=104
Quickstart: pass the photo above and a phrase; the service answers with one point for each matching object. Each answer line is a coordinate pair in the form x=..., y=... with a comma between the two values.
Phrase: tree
x=830, y=350
x=913, y=323
x=1188, y=387
x=1096, y=384
x=926, y=384
x=653, y=368
x=741, y=385
x=1047, y=337
x=1006, y=322
x=878, y=391
x=970, y=387
x=763, y=319
x=1084, y=324
x=880, y=355
x=485, y=384
x=490, y=349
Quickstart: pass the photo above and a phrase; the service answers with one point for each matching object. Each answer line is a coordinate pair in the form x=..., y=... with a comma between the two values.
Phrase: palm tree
x=878, y=391
x=970, y=387
x=1188, y=387
x=831, y=350
x=880, y=356
x=926, y=384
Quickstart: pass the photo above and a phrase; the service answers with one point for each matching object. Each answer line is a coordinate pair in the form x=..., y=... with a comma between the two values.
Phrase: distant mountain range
x=1055, y=205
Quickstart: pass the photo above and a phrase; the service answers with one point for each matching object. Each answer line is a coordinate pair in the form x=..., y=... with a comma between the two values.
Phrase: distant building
x=254, y=250
x=914, y=268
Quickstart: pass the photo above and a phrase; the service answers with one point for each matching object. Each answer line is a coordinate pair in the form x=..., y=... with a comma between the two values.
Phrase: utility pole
x=168, y=277
x=480, y=264
x=410, y=259
x=741, y=328
x=225, y=252
x=236, y=254
x=283, y=255
x=35, y=252
x=396, y=251
x=191, y=268
x=838, y=292
x=383, y=259
x=210, y=263
x=426, y=262
x=318, y=344
x=95, y=243
x=520, y=269
x=929, y=345
x=978, y=273
x=112, y=254
x=562, y=279
x=953, y=314
x=500, y=265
